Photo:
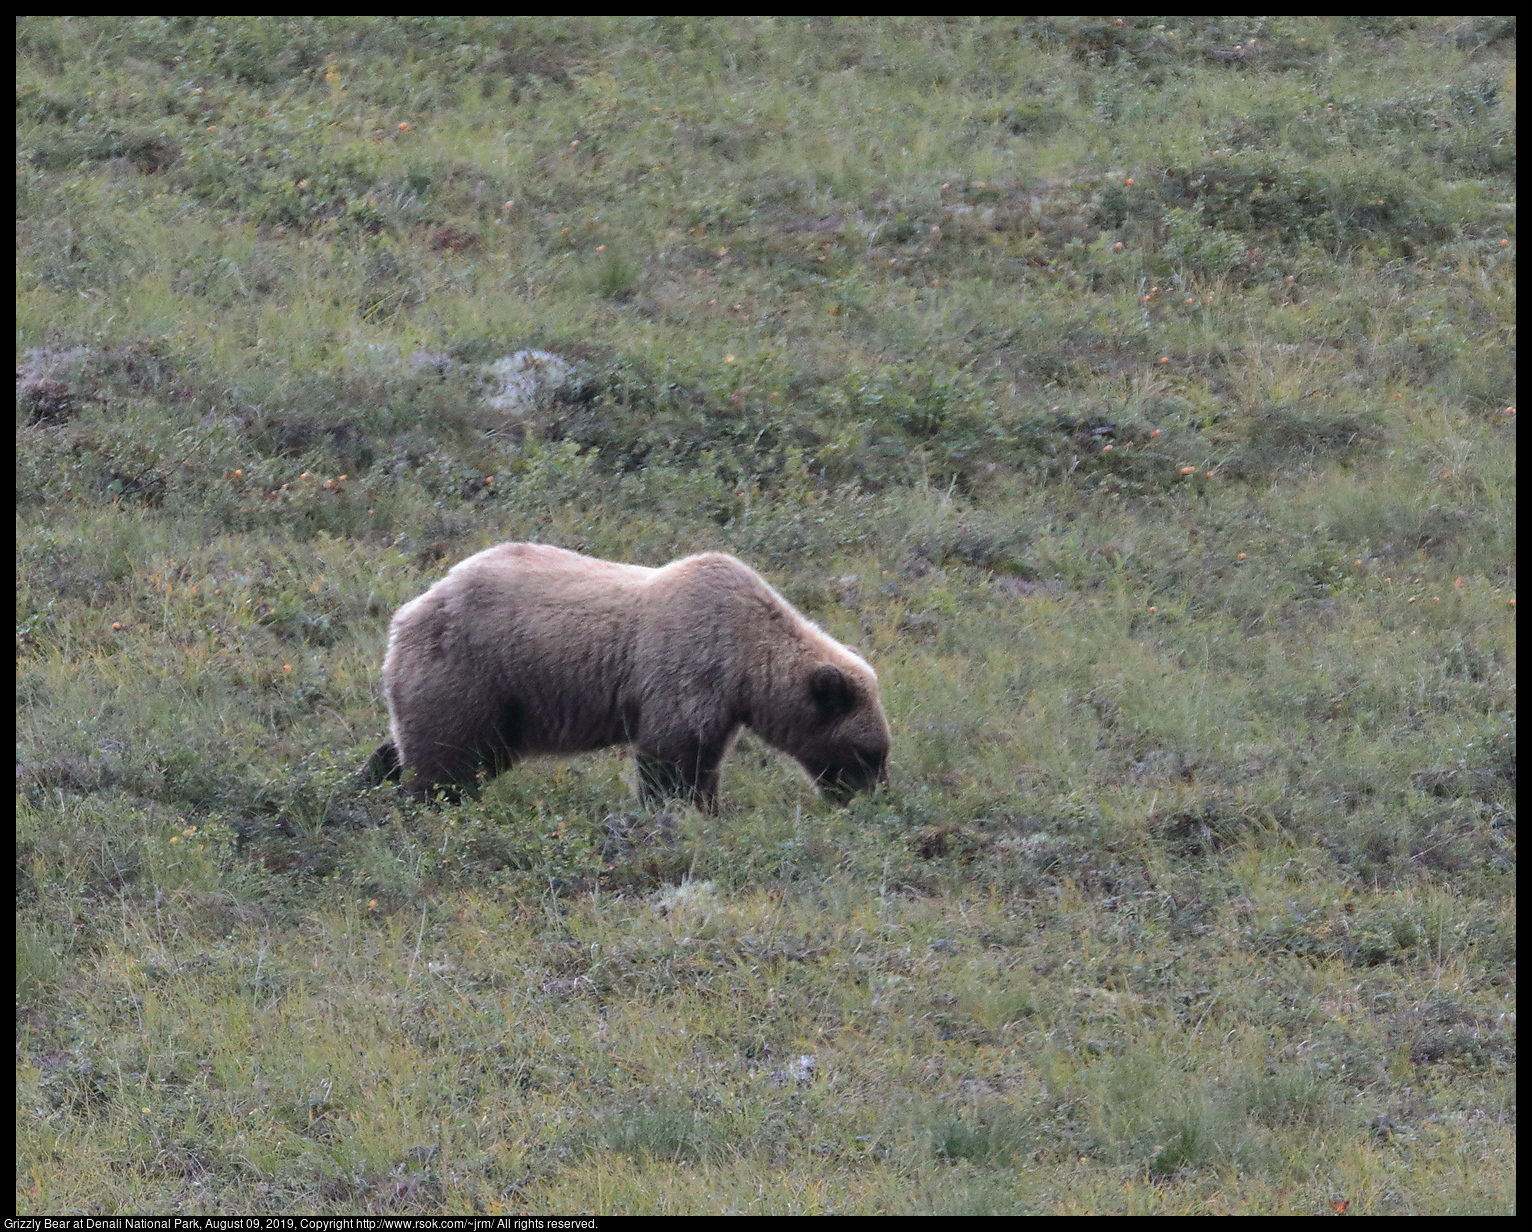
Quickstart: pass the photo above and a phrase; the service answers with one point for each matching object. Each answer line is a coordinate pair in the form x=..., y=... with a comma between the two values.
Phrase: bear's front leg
x=686, y=774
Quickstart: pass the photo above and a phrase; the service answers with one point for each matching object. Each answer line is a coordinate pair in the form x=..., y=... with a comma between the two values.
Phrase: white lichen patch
x=691, y=896
x=521, y=377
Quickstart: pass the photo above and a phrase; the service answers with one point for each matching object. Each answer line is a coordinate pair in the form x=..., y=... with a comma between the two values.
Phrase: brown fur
x=528, y=649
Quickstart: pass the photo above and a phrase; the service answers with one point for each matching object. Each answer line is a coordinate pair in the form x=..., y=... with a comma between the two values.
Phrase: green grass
x=1193, y=888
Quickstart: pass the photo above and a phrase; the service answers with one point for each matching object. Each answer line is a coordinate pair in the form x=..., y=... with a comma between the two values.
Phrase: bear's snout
x=862, y=770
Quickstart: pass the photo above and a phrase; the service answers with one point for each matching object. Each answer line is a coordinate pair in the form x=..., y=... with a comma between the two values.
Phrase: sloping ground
x=1139, y=397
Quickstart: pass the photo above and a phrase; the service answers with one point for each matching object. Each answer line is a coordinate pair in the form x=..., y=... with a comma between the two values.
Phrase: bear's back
x=543, y=565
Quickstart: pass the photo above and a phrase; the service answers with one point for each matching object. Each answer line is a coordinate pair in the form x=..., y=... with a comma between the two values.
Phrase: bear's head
x=845, y=748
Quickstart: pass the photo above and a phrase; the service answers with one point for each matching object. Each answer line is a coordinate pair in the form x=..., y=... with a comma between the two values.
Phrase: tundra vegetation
x=1137, y=394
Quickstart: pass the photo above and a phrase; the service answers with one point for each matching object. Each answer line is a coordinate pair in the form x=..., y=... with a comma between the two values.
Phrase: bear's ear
x=831, y=691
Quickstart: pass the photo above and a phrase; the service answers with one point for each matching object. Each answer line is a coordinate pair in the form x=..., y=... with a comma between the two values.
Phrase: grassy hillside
x=1137, y=395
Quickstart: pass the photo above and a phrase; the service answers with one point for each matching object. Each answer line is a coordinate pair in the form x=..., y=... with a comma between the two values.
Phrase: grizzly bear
x=527, y=649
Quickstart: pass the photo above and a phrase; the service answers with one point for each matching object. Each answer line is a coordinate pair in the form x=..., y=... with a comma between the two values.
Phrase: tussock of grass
x=1137, y=397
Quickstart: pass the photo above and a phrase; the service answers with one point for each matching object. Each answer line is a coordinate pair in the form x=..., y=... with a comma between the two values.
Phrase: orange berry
x=404, y=128
x=1156, y=432
x=1242, y=556
x=1187, y=470
x=1129, y=183
x=600, y=247
x=116, y=624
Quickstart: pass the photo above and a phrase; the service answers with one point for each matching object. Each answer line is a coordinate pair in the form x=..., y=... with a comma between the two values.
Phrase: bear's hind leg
x=382, y=767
